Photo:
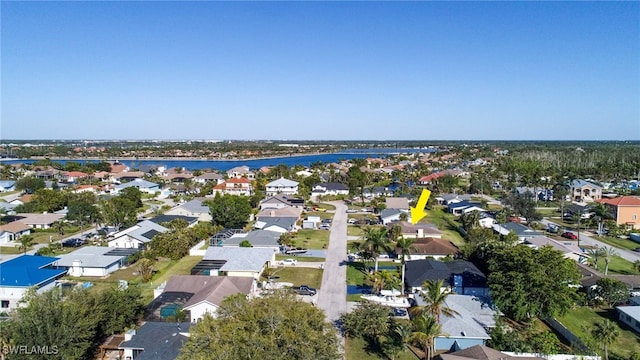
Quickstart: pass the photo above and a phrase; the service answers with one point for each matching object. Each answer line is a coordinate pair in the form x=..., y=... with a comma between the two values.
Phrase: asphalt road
x=332, y=297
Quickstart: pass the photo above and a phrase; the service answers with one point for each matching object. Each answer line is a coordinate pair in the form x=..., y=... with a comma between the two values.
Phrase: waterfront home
x=206, y=177
x=240, y=171
x=25, y=272
x=192, y=208
x=282, y=186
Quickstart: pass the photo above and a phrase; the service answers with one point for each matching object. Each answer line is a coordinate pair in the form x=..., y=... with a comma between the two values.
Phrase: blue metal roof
x=28, y=270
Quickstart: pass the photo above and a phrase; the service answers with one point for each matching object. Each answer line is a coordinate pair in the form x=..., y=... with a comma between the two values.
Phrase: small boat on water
x=388, y=300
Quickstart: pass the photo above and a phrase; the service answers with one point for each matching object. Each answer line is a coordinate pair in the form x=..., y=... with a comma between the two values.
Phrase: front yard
x=300, y=276
x=357, y=273
x=447, y=223
x=311, y=239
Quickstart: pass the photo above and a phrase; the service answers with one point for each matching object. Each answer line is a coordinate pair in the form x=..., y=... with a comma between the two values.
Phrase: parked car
x=637, y=249
x=73, y=242
x=326, y=221
x=324, y=227
x=352, y=221
x=291, y=262
x=351, y=211
x=569, y=235
x=304, y=290
x=398, y=312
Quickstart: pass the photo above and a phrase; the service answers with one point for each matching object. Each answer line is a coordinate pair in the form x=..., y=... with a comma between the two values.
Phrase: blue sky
x=321, y=70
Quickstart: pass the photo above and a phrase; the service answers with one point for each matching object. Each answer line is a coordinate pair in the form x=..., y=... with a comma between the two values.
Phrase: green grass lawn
x=322, y=215
x=300, y=276
x=10, y=250
x=619, y=265
x=300, y=258
x=617, y=242
x=580, y=319
x=354, y=230
x=356, y=349
x=311, y=239
x=447, y=223
x=356, y=274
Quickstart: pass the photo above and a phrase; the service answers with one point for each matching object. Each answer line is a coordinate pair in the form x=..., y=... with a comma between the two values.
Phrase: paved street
x=332, y=297
x=591, y=240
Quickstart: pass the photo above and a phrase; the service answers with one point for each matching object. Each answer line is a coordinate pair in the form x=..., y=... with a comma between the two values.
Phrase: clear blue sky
x=316, y=70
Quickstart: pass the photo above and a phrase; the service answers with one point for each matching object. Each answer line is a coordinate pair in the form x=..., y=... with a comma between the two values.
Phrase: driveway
x=332, y=297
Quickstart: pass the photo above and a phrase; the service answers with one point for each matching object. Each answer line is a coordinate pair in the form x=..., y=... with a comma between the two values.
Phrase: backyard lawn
x=357, y=271
x=446, y=223
x=580, y=319
x=311, y=239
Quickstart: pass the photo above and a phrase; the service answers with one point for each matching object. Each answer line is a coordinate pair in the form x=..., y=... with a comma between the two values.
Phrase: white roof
x=90, y=256
x=633, y=311
x=282, y=182
x=239, y=258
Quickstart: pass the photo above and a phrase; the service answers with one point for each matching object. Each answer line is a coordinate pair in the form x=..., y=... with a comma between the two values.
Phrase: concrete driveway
x=332, y=297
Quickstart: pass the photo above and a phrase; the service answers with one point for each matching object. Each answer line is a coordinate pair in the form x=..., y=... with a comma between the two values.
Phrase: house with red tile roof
x=624, y=209
x=234, y=186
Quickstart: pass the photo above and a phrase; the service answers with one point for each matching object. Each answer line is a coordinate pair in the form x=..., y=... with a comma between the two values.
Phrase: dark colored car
x=398, y=312
x=637, y=249
x=569, y=235
x=73, y=242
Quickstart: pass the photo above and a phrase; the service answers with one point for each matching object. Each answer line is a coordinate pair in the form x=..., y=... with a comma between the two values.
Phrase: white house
x=329, y=189
x=25, y=272
x=192, y=208
x=142, y=185
x=240, y=171
x=137, y=236
x=93, y=261
x=282, y=186
x=240, y=261
x=12, y=231
x=630, y=315
x=7, y=185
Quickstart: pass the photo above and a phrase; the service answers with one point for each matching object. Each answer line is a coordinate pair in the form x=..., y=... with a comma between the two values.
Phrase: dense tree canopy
x=274, y=327
x=30, y=184
x=71, y=324
x=230, y=211
x=526, y=283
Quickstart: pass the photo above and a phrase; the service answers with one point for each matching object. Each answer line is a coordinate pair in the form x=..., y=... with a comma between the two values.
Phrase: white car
x=352, y=221
x=292, y=262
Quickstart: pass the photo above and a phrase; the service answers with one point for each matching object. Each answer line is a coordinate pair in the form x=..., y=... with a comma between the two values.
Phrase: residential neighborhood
x=188, y=240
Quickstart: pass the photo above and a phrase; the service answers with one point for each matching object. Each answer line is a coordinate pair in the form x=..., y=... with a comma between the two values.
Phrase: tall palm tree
x=406, y=246
x=595, y=254
x=374, y=241
x=608, y=253
x=426, y=328
x=436, y=298
x=26, y=241
x=605, y=332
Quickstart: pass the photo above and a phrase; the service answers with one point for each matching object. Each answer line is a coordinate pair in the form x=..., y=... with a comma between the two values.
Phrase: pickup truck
x=304, y=290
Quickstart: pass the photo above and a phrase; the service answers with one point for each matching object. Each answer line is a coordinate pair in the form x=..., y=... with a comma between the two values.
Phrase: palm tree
x=608, y=253
x=374, y=241
x=436, y=298
x=595, y=254
x=636, y=265
x=606, y=332
x=426, y=328
x=470, y=220
x=26, y=241
x=406, y=246
x=58, y=227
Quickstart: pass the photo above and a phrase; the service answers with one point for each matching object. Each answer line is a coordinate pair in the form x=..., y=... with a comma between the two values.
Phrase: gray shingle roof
x=240, y=259
x=90, y=256
x=160, y=340
x=419, y=271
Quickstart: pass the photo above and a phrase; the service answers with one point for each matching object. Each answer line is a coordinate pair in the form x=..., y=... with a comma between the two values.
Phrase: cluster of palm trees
x=605, y=252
